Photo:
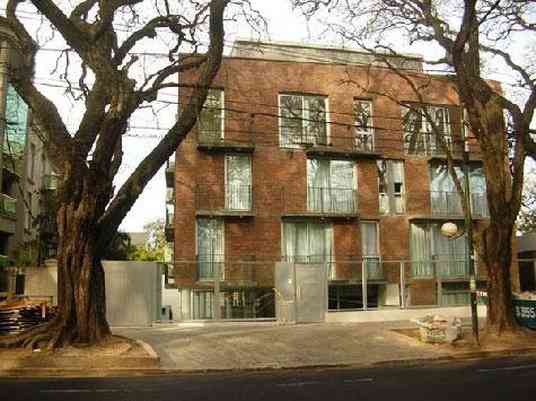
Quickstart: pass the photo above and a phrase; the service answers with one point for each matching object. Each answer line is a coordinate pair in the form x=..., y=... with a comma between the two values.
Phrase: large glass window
x=391, y=186
x=202, y=304
x=331, y=186
x=307, y=242
x=238, y=182
x=363, y=130
x=433, y=254
x=370, y=250
x=445, y=198
x=303, y=120
x=419, y=136
x=210, y=248
x=211, y=121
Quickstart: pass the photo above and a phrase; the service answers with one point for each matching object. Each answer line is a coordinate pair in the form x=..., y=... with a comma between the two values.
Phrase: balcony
x=231, y=201
x=451, y=267
x=427, y=144
x=8, y=206
x=321, y=202
x=240, y=141
x=170, y=222
x=449, y=204
x=358, y=145
x=352, y=270
x=236, y=273
x=170, y=172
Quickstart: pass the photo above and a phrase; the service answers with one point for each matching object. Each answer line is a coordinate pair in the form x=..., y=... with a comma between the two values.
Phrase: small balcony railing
x=449, y=203
x=238, y=197
x=331, y=200
x=170, y=172
x=211, y=266
x=8, y=205
x=229, y=198
x=445, y=267
x=427, y=144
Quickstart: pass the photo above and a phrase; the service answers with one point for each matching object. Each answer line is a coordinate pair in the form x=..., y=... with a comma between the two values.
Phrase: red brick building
x=324, y=156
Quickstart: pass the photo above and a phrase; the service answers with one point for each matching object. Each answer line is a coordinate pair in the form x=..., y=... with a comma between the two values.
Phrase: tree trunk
x=498, y=258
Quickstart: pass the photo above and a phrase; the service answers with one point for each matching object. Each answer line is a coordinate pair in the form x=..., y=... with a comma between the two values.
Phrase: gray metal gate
x=301, y=292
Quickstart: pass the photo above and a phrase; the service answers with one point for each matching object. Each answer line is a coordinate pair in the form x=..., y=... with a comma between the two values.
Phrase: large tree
x=88, y=158
x=465, y=32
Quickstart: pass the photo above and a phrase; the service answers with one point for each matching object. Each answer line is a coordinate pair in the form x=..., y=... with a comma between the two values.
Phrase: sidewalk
x=251, y=346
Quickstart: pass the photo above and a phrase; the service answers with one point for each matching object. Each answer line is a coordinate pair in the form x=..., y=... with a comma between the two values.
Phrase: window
x=445, y=198
x=331, y=186
x=370, y=250
x=391, y=186
x=433, y=254
x=307, y=242
x=238, y=194
x=211, y=121
x=210, y=248
x=303, y=120
x=363, y=128
x=202, y=304
x=419, y=136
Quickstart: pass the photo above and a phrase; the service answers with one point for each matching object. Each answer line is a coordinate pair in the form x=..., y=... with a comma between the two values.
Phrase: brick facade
x=279, y=184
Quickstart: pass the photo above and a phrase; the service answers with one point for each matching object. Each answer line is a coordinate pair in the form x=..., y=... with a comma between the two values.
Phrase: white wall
x=133, y=290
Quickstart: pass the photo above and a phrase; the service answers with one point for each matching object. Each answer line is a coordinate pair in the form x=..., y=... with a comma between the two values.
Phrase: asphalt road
x=505, y=379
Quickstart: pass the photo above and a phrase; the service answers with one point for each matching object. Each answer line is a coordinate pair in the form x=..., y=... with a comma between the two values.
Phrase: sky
x=284, y=24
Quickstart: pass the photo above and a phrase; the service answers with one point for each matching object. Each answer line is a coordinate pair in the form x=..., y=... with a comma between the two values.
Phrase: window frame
x=222, y=113
x=288, y=143
x=225, y=168
x=425, y=133
x=358, y=132
x=391, y=194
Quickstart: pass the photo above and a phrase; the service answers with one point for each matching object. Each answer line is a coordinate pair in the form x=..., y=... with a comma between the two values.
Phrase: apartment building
x=323, y=157
x=27, y=232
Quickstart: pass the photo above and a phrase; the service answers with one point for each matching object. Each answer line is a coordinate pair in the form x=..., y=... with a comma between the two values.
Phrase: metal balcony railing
x=449, y=203
x=440, y=267
x=227, y=198
x=427, y=144
x=238, y=197
x=210, y=266
x=8, y=205
x=331, y=200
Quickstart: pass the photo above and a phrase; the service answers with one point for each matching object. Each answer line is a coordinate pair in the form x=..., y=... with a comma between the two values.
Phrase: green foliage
x=526, y=221
x=154, y=249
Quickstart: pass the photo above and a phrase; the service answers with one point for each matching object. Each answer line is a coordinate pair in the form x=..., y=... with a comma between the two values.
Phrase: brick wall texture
x=251, y=88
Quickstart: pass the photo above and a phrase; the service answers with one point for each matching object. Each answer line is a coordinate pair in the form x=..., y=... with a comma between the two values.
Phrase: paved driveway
x=214, y=346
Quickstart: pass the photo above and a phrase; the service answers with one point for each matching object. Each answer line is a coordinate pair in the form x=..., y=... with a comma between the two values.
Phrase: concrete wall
x=392, y=315
x=133, y=290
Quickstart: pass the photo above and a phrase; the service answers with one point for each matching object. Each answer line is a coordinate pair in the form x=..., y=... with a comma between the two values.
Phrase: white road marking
x=300, y=384
x=362, y=380
x=507, y=368
x=297, y=384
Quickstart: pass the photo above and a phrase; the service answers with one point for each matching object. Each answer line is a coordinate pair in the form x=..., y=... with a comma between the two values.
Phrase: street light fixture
x=452, y=231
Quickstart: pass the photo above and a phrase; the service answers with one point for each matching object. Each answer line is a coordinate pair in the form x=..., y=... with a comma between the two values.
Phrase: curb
x=156, y=371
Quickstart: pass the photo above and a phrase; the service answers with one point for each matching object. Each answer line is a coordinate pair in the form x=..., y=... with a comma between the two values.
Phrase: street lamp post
x=451, y=230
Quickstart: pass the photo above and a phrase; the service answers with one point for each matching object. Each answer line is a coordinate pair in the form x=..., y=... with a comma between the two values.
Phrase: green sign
x=525, y=312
